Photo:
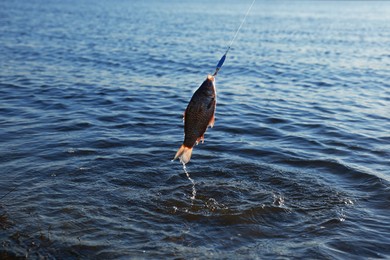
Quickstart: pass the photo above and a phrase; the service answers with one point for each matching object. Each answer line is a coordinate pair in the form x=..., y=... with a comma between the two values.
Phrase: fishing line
x=219, y=65
x=222, y=60
x=9, y=192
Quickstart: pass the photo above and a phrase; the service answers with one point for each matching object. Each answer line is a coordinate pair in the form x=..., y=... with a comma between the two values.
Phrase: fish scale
x=197, y=117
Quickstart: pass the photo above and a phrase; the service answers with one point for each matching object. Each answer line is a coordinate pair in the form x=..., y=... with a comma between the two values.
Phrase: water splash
x=192, y=181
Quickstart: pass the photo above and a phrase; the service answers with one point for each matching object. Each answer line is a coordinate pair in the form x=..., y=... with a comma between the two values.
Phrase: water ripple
x=91, y=103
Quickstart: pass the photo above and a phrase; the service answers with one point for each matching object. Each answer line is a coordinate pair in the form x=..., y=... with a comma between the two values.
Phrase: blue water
x=91, y=101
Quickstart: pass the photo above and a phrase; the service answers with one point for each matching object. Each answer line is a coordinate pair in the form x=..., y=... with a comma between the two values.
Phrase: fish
x=198, y=116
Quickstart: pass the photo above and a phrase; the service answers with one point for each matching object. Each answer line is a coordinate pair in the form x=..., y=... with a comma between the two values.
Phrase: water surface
x=91, y=103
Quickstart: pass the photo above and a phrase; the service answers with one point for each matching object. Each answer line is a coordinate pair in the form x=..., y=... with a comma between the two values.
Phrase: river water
x=91, y=101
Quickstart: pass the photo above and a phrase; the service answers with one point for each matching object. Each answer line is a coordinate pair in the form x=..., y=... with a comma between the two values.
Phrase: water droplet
x=193, y=197
x=278, y=201
x=348, y=202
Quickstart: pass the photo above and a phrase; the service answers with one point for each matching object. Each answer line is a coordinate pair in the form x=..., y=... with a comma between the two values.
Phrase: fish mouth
x=210, y=77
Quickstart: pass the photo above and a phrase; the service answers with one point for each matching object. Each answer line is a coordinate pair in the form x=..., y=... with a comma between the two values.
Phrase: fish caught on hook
x=200, y=112
x=199, y=115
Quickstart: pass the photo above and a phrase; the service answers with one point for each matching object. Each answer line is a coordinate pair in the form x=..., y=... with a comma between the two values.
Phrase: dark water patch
x=276, y=120
x=359, y=248
x=73, y=125
x=5, y=222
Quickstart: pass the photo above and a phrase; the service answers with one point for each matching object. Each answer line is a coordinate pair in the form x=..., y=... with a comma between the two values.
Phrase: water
x=91, y=101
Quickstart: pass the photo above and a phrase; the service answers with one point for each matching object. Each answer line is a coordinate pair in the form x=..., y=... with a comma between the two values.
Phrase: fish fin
x=184, y=153
x=179, y=152
x=200, y=139
x=212, y=121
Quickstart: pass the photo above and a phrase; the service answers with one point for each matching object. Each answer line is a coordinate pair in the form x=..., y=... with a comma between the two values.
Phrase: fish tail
x=184, y=153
